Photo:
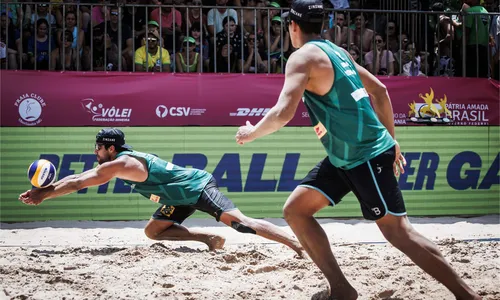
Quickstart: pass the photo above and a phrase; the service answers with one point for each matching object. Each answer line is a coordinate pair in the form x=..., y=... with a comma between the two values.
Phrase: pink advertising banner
x=122, y=99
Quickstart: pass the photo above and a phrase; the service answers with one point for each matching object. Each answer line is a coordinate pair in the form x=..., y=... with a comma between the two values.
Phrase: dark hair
x=113, y=8
x=42, y=21
x=396, y=27
x=71, y=13
x=416, y=46
x=380, y=35
x=118, y=149
x=195, y=26
x=227, y=20
x=342, y=12
x=401, y=35
x=68, y=33
x=309, y=28
x=356, y=14
x=438, y=6
x=355, y=49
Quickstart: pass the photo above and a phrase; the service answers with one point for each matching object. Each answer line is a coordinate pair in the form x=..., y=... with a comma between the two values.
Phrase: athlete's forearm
x=383, y=108
x=272, y=121
x=71, y=177
x=61, y=188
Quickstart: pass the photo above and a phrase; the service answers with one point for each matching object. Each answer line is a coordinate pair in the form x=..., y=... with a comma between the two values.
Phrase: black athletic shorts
x=373, y=183
x=211, y=201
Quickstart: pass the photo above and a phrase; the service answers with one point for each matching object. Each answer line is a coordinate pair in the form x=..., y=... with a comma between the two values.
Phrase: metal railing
x=250, y=47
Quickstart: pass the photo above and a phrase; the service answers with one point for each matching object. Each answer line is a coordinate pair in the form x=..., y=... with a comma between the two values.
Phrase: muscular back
x=322, y=75
x=339, y=106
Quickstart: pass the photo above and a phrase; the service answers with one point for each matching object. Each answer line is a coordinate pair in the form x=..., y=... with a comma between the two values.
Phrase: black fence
x=201, y=39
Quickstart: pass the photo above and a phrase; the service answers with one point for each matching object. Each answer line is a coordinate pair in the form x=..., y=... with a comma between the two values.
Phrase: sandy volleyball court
x=114, y=260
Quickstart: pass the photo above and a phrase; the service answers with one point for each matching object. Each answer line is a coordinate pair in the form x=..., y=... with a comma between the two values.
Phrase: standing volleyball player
x=363, y=155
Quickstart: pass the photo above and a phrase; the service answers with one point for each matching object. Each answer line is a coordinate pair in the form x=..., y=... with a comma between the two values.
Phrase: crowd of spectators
x=241, y=36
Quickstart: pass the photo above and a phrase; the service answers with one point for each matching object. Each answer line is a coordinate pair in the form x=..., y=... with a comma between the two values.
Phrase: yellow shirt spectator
x=153, y=61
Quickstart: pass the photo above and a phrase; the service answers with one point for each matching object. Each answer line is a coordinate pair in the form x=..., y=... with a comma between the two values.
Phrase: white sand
x=114, y=260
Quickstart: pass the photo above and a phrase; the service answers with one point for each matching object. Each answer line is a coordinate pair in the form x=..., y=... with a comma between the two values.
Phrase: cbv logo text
x=463, y=172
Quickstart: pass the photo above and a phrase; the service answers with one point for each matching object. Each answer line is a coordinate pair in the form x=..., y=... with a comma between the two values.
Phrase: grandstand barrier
x=418, y=26
x=49, y=99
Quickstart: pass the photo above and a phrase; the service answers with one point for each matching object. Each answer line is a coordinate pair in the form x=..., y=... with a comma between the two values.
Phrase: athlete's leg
x=165, y=225
x=215, y=203
x=399, y=232
x=381, y=200
x=299, y=212
x=321, y=187
x=238, y=221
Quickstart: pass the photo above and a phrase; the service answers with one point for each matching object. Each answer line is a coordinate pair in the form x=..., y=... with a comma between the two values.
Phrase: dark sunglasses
x=379, y=41
x=114, y=13
x=189, y=44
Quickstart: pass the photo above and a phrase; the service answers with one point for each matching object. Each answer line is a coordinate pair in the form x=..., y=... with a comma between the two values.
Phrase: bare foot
x=475, y=297
x=215, y=242
x=351, y=294
x=299, y=250
x=327, y=295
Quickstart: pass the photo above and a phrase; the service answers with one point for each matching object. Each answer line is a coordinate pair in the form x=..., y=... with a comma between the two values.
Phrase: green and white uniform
x=343, y=119
x=167, y=183
x=360, y=149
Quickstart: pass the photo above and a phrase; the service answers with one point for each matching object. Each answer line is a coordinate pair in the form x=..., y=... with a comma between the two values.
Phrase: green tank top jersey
x=167, y=183
x=343, y=119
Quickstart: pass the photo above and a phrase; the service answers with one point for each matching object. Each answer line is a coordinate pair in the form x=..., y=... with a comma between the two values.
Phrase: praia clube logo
x=30, y=108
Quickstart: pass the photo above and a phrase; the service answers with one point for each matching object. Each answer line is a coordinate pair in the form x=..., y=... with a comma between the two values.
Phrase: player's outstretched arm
x=296, y=78
x=379, y=95
x=97, y=176
x=71, y=177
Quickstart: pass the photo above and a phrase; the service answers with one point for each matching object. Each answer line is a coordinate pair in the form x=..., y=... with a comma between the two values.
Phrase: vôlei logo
x=102, y=113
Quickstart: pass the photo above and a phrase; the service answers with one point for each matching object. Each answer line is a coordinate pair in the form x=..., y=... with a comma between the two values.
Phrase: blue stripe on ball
x=32, y=169
x=51, y=175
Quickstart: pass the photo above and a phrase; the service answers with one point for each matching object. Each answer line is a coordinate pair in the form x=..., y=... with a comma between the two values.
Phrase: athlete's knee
x=291, y=209
x=151, y=234
x=288, y=212
x=397, y=234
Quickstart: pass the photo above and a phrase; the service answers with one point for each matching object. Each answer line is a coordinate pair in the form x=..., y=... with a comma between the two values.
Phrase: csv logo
x=162, y=111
